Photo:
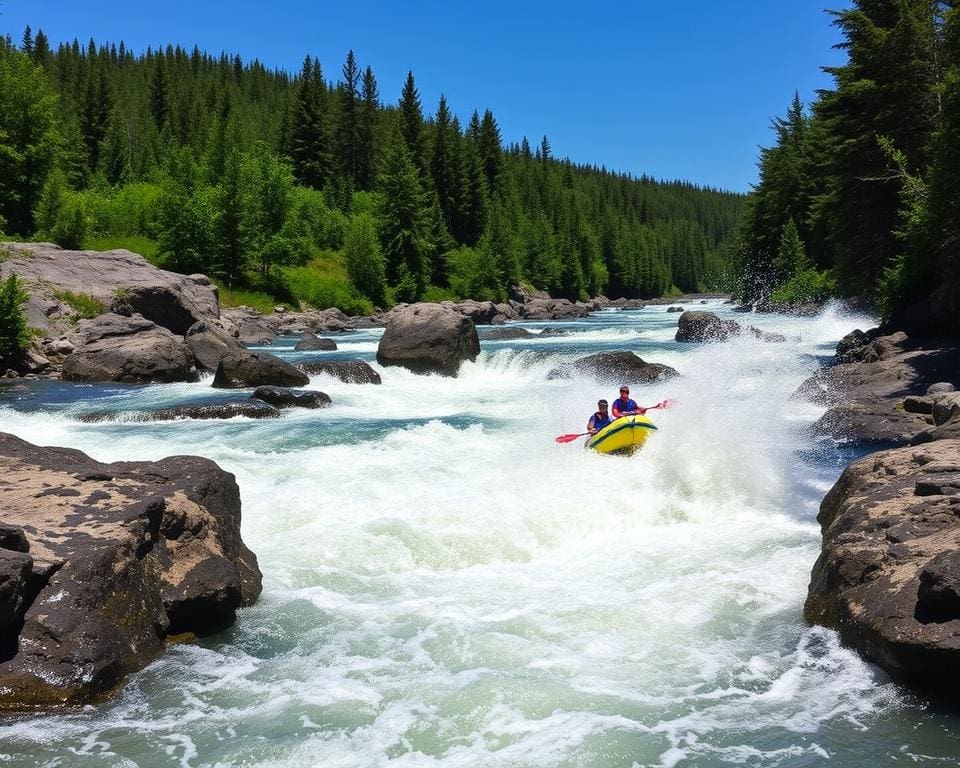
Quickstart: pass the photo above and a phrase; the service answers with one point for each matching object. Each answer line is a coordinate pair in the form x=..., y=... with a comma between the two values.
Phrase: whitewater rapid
x=444, y=585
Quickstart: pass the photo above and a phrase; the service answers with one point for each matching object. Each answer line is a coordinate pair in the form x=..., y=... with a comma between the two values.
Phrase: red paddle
x=662, y=404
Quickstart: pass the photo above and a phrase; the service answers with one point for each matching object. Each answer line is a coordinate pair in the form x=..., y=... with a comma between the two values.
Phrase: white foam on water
x=445, y=585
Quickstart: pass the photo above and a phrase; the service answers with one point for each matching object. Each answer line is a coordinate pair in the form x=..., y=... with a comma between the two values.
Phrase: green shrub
x=472, y=273
x=313, y=287
x=84, y=305
x=14, y=331
x=365, y=264
x=806, y=286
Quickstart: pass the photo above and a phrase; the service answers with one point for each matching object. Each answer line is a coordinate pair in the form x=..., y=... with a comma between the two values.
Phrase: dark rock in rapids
x=255, y=369
x=616, y=368
x=428, y=338
x=312, y=343
x=697, y=326
x=251, y=409
x=279, y=397
x=121, y=556
x=348, y=371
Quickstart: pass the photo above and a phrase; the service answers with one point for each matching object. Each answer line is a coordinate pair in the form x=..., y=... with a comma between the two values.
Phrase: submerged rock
x=694, y=326
x=122, y=555
x=348, y=371
x=279, y=397
x=616, y=368
x=251, y=409
x=311, y=343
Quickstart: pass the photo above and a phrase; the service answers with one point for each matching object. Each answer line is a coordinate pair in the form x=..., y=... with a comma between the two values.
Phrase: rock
x=547, y=333
x=15, y=570
x=256, y=334
x=870, y=422
x=348, y=371
x=946, y=408
x=676, y=309
x=696, y=326
x=888, y=575
x=847, y=346
x=506, y=334
x=124, y=555
x=13, y=538
x=552, y=309
x=428, y=338
x=286, y=398
x=914, y=404
x=940, y=388
x=128, y=349
x=209, y=342
x=616, y=368
x=255, y=369
x=309, y=342
x=34, y=362
x=481, y=312
x=172, y=301
x=251, y=409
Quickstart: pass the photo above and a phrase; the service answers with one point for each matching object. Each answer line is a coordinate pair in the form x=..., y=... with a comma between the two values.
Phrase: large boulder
x=616, y=368
x=128, y=349
x=123, y=555
x=552, y=309
x=888, y=577
x=428, y=338
x=256, y=369
x=696, y=326
x=348, y=371
x=118, y=279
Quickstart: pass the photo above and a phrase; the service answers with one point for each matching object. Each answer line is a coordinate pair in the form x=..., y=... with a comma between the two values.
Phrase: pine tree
x=365, y=264
x=490, y=149
x=159, y=98
x=97, y=106
x=442, y=168
x=791, y=256
x=14, y=331
x=311, y=157
x=411, y=120
x=404, y=220
x=41, y=49
x=26, y=45
x=348, y=137
x=366, y=150
x=544, y=150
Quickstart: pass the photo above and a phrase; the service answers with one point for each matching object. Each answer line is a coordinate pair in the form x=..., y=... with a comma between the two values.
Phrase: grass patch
x=84, y=305
x=145, y=246
x=247, y=297
x=324, y=283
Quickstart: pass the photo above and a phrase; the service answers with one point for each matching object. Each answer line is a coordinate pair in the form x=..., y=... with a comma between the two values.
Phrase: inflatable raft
x=624, y=435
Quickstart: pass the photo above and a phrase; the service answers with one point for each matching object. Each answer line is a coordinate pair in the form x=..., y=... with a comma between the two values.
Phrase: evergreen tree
x=349, y=124
x=26, y=45
x=311, y=157
x=442, y=168
x=411, y=120
x=97, y=107
x=41, y=49
x=490, y=149
x=366, y=152
x=404, y=221
x=791, y=256
x=159, y=98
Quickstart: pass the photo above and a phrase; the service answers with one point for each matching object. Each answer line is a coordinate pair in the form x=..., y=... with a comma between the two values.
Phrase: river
x=444, y=585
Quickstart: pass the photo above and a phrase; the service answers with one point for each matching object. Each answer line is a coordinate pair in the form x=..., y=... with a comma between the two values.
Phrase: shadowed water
x=445, y=585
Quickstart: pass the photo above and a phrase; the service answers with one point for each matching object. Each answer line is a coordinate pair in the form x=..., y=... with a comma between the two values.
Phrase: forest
x=306, y=188
x=860, y=195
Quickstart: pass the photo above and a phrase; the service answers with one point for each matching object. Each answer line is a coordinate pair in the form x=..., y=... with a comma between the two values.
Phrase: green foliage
x=365, y=263
x=83, y=304
x=323, y=286
x=807, y=285
x=139, y=244
x=14, y=331
x=29, y=138
x=473, y=273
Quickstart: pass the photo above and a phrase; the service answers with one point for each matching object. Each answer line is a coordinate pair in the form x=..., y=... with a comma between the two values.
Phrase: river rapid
x=444, y=585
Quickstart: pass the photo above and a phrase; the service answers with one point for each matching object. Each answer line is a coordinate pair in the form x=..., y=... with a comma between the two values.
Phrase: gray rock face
x=697, y=326
x=552, y=309
x=507, y=334
x=348, y=371
x=209, y=342
x=122, y=555
x=172, y=301
x=616, y=368
x=256, y=369
x=280, y=397
x=312, y=343
x=15, y=570
x=428, y=338
x=128, y=349
x=888, y=577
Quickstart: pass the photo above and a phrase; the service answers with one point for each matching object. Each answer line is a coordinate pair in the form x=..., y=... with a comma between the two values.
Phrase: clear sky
x=676, y=90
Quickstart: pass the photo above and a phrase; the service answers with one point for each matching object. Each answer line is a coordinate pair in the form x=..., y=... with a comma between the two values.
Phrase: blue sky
x=681, y=90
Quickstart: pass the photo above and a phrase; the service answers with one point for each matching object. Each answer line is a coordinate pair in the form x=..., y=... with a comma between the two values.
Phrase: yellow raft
x=624, y=435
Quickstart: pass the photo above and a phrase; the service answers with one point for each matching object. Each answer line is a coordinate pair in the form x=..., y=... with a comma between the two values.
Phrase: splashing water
x=445, y=585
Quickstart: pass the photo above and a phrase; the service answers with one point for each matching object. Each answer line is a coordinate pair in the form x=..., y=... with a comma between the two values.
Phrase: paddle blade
x=569, y=438
x=664, y=404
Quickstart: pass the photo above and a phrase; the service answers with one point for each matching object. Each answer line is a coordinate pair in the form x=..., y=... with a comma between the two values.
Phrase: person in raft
x=600, y=419
x=624, y=406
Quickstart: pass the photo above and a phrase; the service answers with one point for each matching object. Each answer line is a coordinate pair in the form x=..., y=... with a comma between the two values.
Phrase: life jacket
x=599, y=421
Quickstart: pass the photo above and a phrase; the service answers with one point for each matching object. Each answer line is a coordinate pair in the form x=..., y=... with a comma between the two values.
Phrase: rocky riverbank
x=888, y=577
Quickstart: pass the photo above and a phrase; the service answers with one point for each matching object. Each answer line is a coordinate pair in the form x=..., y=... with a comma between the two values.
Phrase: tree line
x=295, y=182
x=861, y=192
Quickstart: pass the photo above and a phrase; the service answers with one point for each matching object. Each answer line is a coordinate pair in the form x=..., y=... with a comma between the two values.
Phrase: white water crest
x=444, y=585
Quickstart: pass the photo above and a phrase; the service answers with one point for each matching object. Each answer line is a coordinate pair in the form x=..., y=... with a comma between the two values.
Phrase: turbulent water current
x=445, y=585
